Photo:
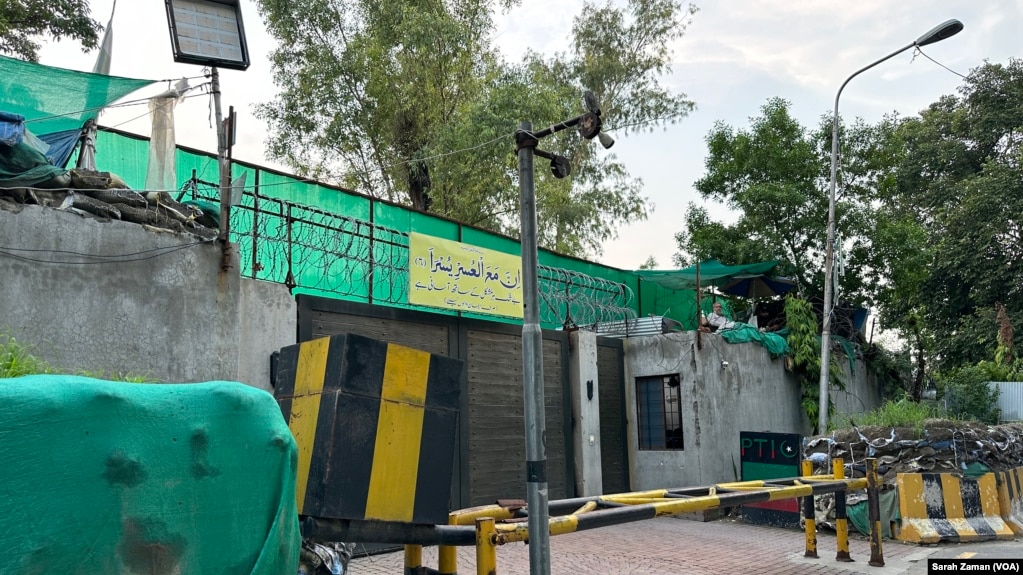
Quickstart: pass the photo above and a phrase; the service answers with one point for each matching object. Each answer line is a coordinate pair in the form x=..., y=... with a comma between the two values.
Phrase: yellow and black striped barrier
x=944, y=507
x=1010, y=498
x=375, y=426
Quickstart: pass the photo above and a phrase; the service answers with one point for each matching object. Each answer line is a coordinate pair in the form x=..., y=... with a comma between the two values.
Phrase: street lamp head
x=589, y=125
x=940, y=32
x=560, y=167
x=605, y=140
x=590, y=100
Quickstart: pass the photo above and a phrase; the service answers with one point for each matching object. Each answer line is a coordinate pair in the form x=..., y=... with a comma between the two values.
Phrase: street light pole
x=944, y=30
x=532, y=365
x=526, y=141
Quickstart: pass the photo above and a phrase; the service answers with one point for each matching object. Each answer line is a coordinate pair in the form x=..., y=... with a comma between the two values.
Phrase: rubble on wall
x=89, y=196
x=941, y=446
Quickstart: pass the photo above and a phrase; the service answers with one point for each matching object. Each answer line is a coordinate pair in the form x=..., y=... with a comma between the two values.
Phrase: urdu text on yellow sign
x=453, y=275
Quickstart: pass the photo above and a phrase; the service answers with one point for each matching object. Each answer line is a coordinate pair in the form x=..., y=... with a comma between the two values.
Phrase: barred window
x=660, y=417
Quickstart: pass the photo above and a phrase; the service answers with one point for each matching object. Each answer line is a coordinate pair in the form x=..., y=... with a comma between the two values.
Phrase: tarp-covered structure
x=743, y=280
x=109, y=477
x=711, y=273
x=56, y=102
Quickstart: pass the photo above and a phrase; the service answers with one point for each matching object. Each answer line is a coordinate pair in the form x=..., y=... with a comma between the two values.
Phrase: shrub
x=967, y=394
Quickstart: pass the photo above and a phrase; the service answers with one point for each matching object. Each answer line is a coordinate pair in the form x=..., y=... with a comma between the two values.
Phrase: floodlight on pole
x=526, y=141
x=210, y=33
x=940, y=32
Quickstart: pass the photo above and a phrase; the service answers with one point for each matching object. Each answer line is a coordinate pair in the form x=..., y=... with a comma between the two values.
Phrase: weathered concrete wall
x=585, y=413
x=268, y=321
x=753, y=393
x=115, y=297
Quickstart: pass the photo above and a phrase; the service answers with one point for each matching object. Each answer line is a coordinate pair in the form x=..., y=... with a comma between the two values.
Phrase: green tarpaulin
x=114, y=478
x=712, y=272
x=742, y=333
x=55, y=99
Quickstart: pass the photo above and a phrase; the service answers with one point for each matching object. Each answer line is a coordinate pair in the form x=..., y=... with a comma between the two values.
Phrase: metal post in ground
x=413, y=559
x=841, y=519
x=809, y=519
x=874, y=512
x=447, y=556
x=486, y=549
x=532, y=362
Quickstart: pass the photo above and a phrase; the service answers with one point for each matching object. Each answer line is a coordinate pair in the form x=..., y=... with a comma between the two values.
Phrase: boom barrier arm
x=488, y=526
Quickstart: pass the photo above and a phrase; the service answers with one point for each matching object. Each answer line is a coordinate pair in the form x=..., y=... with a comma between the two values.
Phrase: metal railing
x=490, y=526
x=345, y=257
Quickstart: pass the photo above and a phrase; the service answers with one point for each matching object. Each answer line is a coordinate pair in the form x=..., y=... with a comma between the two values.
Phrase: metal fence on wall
x=332, y=255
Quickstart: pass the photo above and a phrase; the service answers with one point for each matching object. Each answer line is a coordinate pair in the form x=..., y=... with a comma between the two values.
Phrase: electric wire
x=4, y=252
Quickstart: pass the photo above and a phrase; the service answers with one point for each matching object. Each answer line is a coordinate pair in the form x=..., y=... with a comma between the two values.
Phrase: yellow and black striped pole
x=874, y=512
x=809, y=517
x=841, y=518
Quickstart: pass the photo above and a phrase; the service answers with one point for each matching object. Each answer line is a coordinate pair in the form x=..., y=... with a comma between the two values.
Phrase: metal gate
x=490, y=460
x=614, y=452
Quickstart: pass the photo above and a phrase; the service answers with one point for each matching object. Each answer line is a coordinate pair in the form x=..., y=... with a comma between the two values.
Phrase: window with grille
x=660, y=416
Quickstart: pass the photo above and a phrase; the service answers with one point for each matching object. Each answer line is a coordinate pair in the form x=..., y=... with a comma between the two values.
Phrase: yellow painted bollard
x=447, y=556
x=841, y=519
x=413, y=559
x=874, y=512
x=486, y=548
x=809, y=519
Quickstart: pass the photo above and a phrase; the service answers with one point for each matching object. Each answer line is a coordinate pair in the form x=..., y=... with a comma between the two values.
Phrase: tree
x=776, y=175
x=649, y=264
x=22, y=22
x=962, y=178
x=410, y=101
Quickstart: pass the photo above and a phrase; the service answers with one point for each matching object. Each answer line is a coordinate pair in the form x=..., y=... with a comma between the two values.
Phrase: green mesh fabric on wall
x=343, y=245
x=55, y=99
x=109, y=477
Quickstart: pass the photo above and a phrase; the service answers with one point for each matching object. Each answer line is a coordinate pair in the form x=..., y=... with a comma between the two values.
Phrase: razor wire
x=577, y=299
x=346, y=257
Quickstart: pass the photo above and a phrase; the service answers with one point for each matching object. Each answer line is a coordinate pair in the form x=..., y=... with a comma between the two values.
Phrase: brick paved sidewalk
x=675, y=546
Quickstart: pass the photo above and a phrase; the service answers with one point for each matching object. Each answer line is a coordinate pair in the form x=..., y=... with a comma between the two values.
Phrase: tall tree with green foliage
x=775, y=174
x=23, y=22
x=962, y=179
x=410, y=101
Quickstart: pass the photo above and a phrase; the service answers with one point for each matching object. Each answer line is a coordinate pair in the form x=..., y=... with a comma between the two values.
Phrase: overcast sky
x=735, y=56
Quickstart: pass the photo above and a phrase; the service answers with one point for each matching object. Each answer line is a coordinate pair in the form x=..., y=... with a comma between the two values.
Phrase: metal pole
x=532, y=364
x=841, y=516
x=222, y=164
x=809, y=516
x=874, y=514
x=829, y=257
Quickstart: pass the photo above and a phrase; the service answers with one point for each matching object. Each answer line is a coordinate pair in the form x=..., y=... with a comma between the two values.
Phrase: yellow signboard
x=453, y=275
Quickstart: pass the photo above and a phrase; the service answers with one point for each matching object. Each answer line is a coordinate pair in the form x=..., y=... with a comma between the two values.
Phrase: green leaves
x=409, y=101
x=23, y=21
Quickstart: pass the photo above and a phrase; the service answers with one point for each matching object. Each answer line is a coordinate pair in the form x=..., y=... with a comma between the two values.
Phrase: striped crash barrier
x=1010, y=498
x=944, y=507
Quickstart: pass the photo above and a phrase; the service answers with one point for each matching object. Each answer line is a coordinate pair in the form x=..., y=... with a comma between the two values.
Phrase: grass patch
x=901, y=413
x=17, y=359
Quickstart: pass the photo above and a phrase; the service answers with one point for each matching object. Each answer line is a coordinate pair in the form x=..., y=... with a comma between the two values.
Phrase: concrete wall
x=753, y=393
x=167, y=312
x=585, y=413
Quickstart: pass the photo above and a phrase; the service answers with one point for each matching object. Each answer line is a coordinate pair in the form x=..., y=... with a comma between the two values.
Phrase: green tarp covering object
x=741, y=333
x=114, y=478
x=56, y=99
x=712, y=272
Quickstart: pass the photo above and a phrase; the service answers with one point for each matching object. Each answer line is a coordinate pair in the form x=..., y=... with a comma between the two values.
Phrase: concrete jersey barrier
x=1010, y=498
x=944, y=507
